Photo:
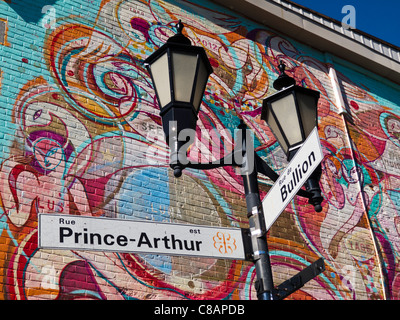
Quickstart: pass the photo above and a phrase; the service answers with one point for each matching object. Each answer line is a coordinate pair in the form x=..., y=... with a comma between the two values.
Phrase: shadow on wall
x=30, y=11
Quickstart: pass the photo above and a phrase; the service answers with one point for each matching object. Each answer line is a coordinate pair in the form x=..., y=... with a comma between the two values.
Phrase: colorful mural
x=83, y=137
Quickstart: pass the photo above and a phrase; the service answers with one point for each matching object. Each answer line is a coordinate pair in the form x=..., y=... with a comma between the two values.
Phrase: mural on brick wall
x=88, y=141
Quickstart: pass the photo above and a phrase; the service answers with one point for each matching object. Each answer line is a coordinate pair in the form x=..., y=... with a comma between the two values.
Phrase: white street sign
x=58, y=231
x=306, y=160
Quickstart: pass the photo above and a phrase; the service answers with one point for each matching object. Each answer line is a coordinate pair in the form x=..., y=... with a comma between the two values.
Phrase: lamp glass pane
x=285, y=112
x=184, y=70
x=201, y=82
x=275, y=129
x=160, y=73
x=308, y=111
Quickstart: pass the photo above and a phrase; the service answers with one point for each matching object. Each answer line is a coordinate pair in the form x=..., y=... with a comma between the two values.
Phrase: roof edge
x=280, y=15
x=358, y=31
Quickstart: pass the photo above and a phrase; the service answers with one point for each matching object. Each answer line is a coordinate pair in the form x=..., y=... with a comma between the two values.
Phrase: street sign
x=60, y=231
x=306, y=160
x=299, y=280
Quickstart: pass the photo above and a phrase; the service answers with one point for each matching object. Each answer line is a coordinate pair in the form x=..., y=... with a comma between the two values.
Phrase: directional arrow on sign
x=306, y=160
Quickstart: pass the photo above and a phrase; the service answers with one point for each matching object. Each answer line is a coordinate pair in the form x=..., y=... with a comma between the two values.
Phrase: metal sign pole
x=264, y=283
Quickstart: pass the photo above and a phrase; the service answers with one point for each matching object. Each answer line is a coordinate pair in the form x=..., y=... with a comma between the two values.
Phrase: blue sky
x=380, y=18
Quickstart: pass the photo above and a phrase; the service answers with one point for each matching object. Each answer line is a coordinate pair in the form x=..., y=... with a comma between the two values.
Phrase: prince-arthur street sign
x=58, y=231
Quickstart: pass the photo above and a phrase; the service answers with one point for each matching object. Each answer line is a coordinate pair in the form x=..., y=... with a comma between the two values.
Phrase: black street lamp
x=291, y=113
x=180, y=72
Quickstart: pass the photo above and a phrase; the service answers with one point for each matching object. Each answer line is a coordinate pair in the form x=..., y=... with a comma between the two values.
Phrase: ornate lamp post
x=180, y=72
x=291, y=113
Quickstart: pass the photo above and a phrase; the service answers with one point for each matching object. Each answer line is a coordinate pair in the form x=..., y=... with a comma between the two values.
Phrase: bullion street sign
x=306, y=160
x=60, y=231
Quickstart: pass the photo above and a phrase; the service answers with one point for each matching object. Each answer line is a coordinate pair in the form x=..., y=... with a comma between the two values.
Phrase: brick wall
x=81, y=135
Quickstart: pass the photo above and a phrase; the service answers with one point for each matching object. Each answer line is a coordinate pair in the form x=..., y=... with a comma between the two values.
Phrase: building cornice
x=322, y=33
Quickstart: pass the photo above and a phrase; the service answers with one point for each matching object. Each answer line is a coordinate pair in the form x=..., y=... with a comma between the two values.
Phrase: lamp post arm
x=265, y=169
x=228, y=160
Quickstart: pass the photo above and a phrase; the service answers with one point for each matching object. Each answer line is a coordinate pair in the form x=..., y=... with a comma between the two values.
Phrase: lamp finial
x=179, y=38
x=179, y=27
x=283, y=80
